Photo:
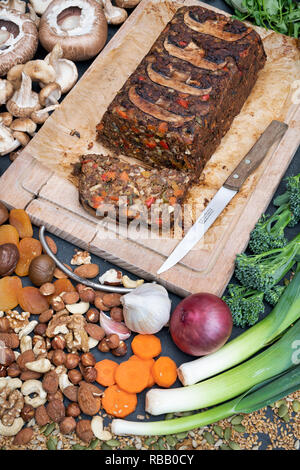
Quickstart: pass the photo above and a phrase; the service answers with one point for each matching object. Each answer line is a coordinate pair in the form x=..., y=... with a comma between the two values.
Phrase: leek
x=248, y=343
x=258, y=397
x=274, y=360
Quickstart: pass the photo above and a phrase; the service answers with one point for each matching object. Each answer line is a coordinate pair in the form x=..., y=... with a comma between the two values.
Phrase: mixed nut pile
x=45, y=361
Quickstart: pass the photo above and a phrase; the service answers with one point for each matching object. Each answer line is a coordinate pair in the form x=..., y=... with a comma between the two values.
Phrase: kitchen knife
x=232, y=185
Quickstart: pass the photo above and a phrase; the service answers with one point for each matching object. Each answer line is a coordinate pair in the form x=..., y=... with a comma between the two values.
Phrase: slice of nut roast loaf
x=182, y=98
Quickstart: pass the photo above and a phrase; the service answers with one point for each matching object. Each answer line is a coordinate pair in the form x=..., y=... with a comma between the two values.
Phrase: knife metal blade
x=225, y=194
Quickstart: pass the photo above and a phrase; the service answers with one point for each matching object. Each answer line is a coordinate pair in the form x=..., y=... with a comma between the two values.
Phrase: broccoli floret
x=273, y=295
x=263, y=271
x=292, y=198
x=245, y=304
x=268, y=233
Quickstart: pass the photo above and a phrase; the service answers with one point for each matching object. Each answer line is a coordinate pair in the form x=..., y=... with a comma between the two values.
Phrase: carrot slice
x=164, y=372
x=106, y=372
x=147, y=363
x=132, y=376
x=146, y=346
x=117, y=402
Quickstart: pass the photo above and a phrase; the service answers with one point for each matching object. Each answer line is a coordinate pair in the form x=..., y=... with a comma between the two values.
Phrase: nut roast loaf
x=180, y=101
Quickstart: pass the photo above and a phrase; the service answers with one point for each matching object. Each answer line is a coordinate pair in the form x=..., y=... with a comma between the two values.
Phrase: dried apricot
x=29, y=248
x=21, y=221
x=9, y=234
x=10, y=286
x=31, y=300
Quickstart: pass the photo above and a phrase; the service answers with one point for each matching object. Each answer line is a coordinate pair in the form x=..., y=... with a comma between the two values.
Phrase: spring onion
x=286, y=311
x=274, y=360
x=258, y=397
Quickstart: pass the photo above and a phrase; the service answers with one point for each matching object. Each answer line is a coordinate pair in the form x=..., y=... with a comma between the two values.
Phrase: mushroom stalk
x=114, y=15
x=24, y=101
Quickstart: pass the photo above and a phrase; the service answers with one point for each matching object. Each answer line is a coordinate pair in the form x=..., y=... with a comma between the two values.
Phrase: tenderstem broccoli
x=245, y=304
x=265, y=270
x=273, y=295
x=292, y=198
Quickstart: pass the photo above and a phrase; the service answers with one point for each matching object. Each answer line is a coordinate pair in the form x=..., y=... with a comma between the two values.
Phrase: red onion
x=201, y=324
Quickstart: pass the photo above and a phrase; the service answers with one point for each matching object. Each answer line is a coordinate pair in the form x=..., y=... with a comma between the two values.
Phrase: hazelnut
x=55, y=396
x=40, y=329
x=3, y=372
x=103, y=346
x=75, y=376
x=41, y=270
x=57, y=304
x=67, y=425
x=27, y=413
x=116, y=314
x=4, y=325
x=98, y=302
x=72, y=360
x=9, y=257
x=13, y=370
x=87, y=294
x=88, y=360
x=46, y=316
x=121, y=350
x=89, y=374
x=113, y=341
x=73, y=410
x=58, y=342
x=7, y=356
x=92, y=315
x=79, y=287
x=58, y=357
x=70, y=297
x=50, y=382
x=47, y=289
x=84, y=430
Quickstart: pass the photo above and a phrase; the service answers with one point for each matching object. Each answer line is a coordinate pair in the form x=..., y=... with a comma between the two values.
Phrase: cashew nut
x=28, y=329
x=13, y=429
x=34, y=386
x=79, y=308
x=92, y=343
x=130, y=283
x=97, y=428
x=12, y=384
x=25, y=343
x=42, y=365
x=63, y=381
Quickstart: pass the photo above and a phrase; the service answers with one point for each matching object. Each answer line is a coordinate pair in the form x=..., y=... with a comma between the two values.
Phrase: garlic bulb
x=146, y=309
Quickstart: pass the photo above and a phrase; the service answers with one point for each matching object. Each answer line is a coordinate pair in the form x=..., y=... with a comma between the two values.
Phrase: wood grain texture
x=37, y=179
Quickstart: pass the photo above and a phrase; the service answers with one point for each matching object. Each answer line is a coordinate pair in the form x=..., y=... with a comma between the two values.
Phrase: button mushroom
x=66, y=70
x=7, y=141
x=6, y=90
x=79, y=26
x=24, y=101
x=18, y=39
x=50, y=94
x=40, y=71
x=24, y=125
x=40, y=6
x=41, y=116
x=14, y=75
x=114, y=15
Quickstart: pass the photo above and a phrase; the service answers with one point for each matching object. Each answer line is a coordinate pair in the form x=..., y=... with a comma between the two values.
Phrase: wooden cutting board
x=39, y=179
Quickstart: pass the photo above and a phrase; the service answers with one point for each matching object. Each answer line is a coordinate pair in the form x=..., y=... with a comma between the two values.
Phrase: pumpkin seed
x=227, y=434
x=224, y=447
x=93, y=444
x=218, y=430
x=161, y=444
x=104, y=446
x=43, y=428
x=169, y=416
x=282, y=410
x=234, y=445
x=49, y=429
x=128, y=448
x=112, y=443
x=279, y=403
x=149, y=441
x=286, y=418
x=239, y=428
x=51, y=443
x=296, y=406
x=155, y=446
x=78, y=447
x=182, y=435
x=209, y=437
x=171, y=440
x=237, y=419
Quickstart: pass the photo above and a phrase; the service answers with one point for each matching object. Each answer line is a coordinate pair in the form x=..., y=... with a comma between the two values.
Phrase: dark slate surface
x=66, y=250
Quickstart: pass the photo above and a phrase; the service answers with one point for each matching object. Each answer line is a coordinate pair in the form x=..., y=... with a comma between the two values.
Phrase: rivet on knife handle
x=254, y=157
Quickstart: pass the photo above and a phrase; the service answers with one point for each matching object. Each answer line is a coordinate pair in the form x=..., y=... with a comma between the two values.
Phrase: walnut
x=58, y=324
x=17, y=320
x=11, y=405
x=77, y=338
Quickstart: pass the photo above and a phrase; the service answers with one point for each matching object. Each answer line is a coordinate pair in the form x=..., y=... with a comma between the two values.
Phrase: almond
x=95, y=331
x=89, y=399
x=51, y=243
x=70, y=297
x=112, y=300
x=23, y=437
x=87, y=271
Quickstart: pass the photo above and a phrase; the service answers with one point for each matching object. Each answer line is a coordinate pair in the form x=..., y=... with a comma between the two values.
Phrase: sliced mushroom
x=192, y=54
x=24, y=125
x=65, y=69
x=50, y=94
x=157, y=111
x=40, y=71
x=177, y=85
x=127, y=3
x=6, y=91
x=24, y=101
x=114, y=15
x=20, y=45
x=18, y=5
x=40, y=116
x=40, y=6
x=79, y=26
x=214, y=28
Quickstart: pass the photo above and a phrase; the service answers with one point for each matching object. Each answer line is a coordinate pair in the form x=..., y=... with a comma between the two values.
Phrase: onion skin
x=201, y=324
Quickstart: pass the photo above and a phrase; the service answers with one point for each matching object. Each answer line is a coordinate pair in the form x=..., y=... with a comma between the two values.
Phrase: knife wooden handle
x=255, y=156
